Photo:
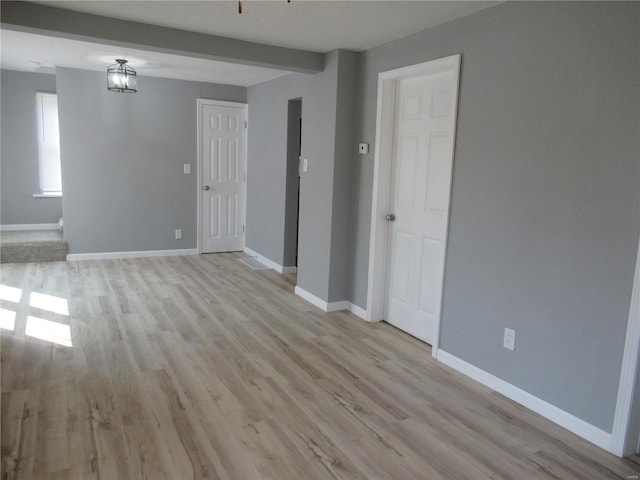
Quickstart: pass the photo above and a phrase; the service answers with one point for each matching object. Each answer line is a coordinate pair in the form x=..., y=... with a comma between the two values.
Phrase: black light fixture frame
x=121, y=77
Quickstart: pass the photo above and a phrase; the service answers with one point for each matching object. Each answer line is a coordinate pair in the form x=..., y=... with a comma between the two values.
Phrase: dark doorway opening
x=292, y=199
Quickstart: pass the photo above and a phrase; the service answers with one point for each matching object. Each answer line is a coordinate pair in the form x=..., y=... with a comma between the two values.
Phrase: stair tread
x=32, y=246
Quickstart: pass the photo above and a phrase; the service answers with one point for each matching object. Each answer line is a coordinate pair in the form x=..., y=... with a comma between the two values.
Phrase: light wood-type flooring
x=199, y=367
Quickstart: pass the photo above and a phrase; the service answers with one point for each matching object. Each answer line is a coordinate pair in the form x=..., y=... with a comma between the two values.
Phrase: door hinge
x=242, y=228
x=245, y=178
x=246, y=124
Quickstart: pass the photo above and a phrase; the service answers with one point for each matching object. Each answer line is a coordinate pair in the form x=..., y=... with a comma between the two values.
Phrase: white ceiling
x=318, y=26
x=28, y=52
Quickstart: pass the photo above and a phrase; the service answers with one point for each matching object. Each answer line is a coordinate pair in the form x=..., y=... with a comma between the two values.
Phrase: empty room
x=320, y=240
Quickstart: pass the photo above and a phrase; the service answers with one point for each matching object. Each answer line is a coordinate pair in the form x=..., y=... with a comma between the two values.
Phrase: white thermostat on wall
x=363, y=148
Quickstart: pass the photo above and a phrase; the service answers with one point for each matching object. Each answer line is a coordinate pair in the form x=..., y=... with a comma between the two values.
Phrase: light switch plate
x=363, y=148
x=509, y=339
x=187, y=168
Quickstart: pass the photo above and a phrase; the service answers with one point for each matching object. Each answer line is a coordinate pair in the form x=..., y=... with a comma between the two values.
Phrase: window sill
x=48, y=195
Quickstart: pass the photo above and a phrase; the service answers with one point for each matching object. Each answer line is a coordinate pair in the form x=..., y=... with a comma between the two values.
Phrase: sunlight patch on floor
x=10, y=294
x=7, y=319
x=49, y=303
x=49, y=331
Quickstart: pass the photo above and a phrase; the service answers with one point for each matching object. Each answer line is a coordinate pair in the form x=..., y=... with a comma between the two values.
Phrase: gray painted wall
x=267, y=163
x=546, y=191
x=321, y=232
x=345, y=155
x=122, y=161
x=316, y=185
x=19, y=154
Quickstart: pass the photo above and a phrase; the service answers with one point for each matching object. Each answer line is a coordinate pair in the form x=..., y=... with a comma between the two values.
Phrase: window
x=48, y=145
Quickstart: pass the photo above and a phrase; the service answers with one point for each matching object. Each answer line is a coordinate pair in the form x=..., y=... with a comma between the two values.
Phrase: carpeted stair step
x=33, y=247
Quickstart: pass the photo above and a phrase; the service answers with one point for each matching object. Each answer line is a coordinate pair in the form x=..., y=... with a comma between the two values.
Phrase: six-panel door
x=223, y=178
x=421, y=172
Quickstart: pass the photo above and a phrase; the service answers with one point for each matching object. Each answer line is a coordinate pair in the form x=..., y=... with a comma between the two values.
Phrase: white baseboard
x=337, y=306
x=330, y=306
x=270, y=263
x=136, y=254
x=581, y=428
x=311, y=298
x=29, y=227
x=358, y=311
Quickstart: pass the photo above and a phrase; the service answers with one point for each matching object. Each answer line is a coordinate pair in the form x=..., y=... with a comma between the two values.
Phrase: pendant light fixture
x=121, y=77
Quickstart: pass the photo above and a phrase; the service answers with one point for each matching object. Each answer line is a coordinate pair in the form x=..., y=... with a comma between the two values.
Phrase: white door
x=422, y=158
x=222, y=179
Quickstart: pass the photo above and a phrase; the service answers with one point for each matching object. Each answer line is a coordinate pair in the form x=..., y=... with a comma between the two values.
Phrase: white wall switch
x=305, y=164
x=187, y=168
x=363, y=148
x=509, y=339
x=178, y=234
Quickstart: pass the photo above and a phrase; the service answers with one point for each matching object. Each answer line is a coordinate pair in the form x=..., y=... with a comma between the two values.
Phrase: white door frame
x=624, y=440
x=201, y=102
x=378, y=261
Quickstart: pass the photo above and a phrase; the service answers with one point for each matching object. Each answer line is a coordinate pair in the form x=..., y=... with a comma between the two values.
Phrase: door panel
x=214, y=212
x=421, y=170
x=223, y=181
x=428, y=285
x=407, y=154
x=402, y=267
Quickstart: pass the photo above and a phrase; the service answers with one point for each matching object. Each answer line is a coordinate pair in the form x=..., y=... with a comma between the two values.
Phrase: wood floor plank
x=199, y=367
x=143, y=442
x=310, y=440
x=52, y=450
x=202, y=390
x=104, y=436
x=449, y=462
x=180, y=417
x=19, y=414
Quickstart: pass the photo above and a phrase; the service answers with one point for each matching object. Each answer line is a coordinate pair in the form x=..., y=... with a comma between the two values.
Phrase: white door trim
x=218, y=103
x=623, y=440
x=382, y=174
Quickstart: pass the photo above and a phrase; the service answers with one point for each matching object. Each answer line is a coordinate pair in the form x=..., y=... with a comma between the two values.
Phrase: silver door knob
x=206, y=187
x=390, y=217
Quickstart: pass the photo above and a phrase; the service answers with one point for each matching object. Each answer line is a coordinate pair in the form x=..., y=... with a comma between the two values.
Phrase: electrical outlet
x=178, y=234
x=305, y=164
x=509, y=339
